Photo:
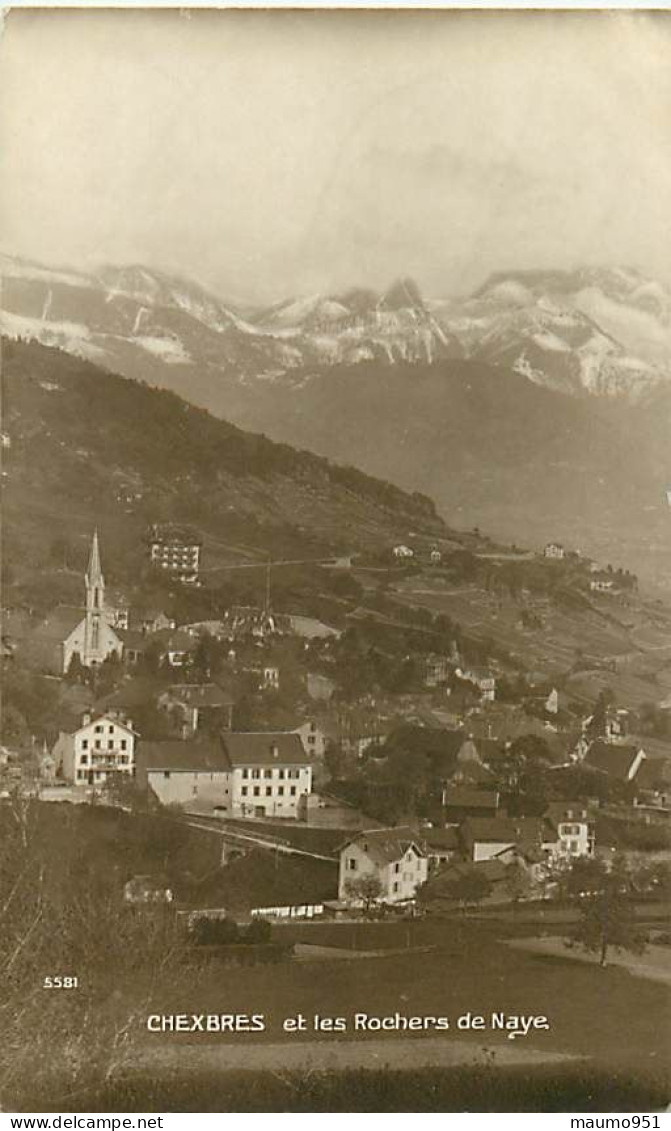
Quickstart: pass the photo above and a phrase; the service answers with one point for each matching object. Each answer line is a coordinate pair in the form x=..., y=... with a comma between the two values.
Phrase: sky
x=272, y=153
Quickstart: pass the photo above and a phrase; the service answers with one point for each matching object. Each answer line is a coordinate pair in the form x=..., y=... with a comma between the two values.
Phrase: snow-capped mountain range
x=601, y=331
x=605, y=332
x=129, y=316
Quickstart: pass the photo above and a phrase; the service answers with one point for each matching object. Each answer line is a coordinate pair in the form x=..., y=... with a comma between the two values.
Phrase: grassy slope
x=82, y=440
x=491, y=448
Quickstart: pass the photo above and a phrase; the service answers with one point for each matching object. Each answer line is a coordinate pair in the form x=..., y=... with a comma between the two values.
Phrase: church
x=65, y=633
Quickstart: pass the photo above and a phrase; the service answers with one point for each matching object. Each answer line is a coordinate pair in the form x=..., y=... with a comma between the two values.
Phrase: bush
x=258, y=931
x=209, y=932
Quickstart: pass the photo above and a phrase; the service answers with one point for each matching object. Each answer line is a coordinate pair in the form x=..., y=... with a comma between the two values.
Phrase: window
x=281, y=775
x=110, y=744
x=166, y=773
x=257, y=791
x=97, y=744
x=85, y=743
x=311, y=740
x=256, y=773
x=397, y=868
x=573, y=846
x=110, y=730
x=267, y=773
x=280, y=791
x=395, y=887
x=84, y=759
x=244, y=791
x=245, y=773
x=98, y=729
x=352, y=864
x=269, y=791
x=292, y=791
x=124, y=744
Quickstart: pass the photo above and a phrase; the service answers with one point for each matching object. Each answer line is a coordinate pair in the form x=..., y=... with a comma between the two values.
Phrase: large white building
x=393, y=856
x=262, y=774
x=176, y=549
x=102, y=746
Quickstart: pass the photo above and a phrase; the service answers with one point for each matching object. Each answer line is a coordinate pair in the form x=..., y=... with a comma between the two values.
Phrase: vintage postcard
x=335, y=765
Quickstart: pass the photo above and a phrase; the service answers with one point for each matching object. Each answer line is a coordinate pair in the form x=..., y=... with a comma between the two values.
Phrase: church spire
x=94, y=575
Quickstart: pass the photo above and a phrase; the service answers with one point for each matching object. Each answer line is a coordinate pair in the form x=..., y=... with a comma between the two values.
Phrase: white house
x=262, y=774
x=575, y=830
x=554, y=550
x=313, y=738
x=602, y=585
x=104, y=744
x=269, y=772
x=403, y=552
x=394, y=856
x=483, y=679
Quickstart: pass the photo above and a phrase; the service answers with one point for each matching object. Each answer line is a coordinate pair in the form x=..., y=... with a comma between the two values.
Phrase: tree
x=608, y=920
x=76, y=672
x=259, y=931
x=214, y=932
x=586, y=877
x=468, y=888
x=518, y=881
x=365, y=889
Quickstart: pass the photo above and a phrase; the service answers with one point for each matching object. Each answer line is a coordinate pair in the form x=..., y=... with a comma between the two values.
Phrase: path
x=259, y=840
x=404, y=1053
x=654, y=963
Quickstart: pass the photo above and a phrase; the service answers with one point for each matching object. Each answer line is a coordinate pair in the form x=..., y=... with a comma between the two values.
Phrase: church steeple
x=95, y=582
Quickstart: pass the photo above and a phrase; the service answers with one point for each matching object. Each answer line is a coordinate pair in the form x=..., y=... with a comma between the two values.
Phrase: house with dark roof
x=393, y=856
x=653, y=784
x=269, y=772
x=199, y=705
x=486, y=837
x=441, y=845
x=174, y=646
x=460, y=802
x=194, y=773
x=439, y=895
x=617, y=759
x=261, y=774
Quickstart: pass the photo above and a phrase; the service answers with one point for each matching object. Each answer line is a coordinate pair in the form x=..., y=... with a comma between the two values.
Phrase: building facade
x=262, y=774
x=177, y=549
x=269, y=773
x=393, y=856
x=102, y=746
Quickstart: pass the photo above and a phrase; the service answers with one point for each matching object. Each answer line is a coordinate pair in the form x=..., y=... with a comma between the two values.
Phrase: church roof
x=59, y=623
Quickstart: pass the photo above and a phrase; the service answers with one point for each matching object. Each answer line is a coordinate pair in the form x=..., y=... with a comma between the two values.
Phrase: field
x=603, y=1051
x=599, y=1013
x=627, y=648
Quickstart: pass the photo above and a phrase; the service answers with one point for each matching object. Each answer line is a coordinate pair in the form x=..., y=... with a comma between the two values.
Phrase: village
x=408, y=762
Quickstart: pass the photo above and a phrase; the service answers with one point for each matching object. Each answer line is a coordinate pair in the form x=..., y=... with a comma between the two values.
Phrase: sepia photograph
x=335, y=469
